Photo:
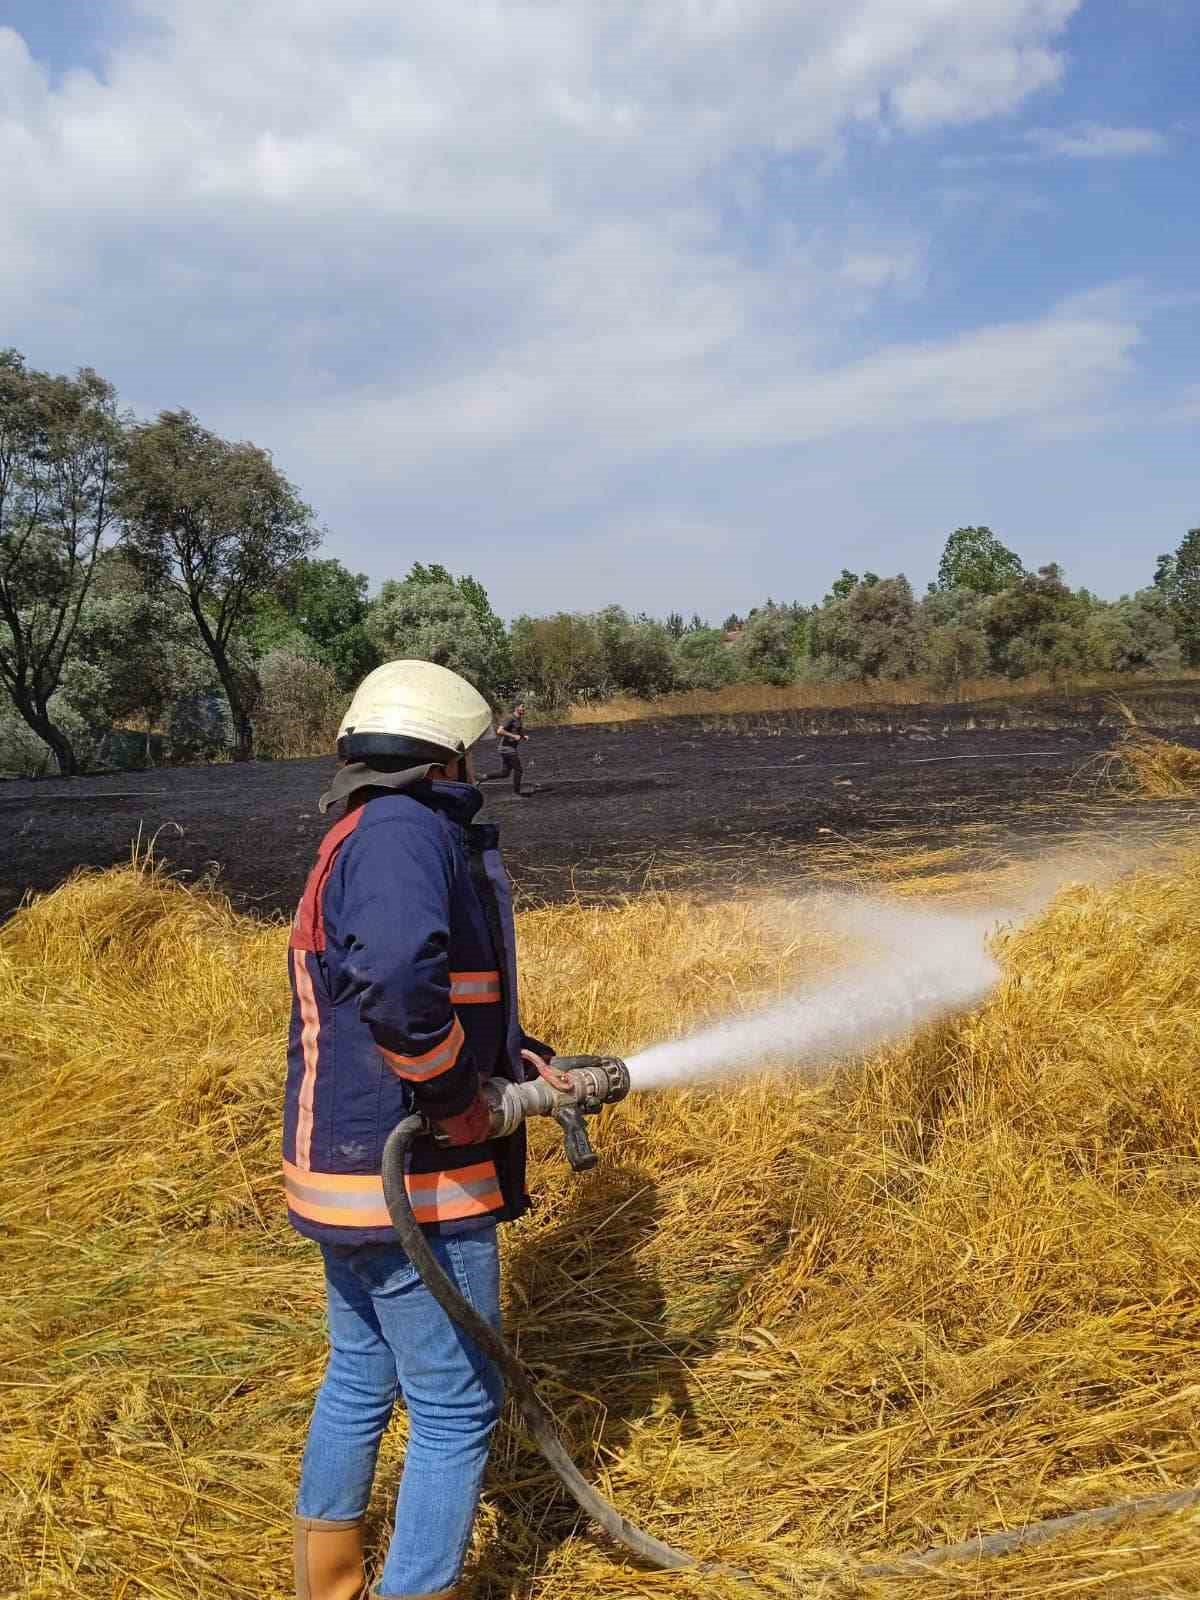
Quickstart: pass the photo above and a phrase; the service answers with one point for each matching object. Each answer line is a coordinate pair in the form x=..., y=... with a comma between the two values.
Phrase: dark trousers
x=510, y=759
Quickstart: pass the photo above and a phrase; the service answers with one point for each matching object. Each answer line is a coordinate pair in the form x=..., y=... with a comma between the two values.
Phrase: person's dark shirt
x=511, y=730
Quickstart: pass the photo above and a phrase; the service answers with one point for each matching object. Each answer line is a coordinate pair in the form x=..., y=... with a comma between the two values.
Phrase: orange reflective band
x=474, y=988
x=355, y=1200
x=338, y=1199
x=419, y=1069
x=450, y=1196
x=310, y=1031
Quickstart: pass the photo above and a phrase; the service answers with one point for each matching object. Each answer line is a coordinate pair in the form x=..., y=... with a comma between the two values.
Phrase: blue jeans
x=390, y=1339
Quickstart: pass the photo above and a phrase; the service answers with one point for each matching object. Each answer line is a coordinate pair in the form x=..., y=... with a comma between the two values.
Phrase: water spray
x=924, y=965
x=932, y=966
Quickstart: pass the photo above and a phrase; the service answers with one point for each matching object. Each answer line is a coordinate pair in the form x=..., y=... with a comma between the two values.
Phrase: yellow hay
x=955, y=1290
x=1159, y=768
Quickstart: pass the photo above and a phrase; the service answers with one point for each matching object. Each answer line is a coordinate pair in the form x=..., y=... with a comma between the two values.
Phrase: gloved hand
x=541, y=1063
x=471, y=1126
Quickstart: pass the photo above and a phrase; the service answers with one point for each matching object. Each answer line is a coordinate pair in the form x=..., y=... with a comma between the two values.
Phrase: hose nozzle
x=593, y=1082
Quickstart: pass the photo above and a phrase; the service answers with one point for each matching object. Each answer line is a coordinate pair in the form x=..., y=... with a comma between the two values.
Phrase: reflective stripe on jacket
x=403, y=970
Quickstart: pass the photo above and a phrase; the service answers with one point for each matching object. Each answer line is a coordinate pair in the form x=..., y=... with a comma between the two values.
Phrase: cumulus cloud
x=501, y=109
x=436, y=244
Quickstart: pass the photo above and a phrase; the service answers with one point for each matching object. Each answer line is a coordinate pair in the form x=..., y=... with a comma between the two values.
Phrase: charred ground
x=689, y=802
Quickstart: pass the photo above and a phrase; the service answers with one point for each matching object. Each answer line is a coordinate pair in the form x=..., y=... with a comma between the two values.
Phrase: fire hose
x=573, y=1088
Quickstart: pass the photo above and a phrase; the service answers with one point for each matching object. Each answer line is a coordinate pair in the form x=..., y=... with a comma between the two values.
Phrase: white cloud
x=435, y=246
x=428, y=111
x=1090, y=141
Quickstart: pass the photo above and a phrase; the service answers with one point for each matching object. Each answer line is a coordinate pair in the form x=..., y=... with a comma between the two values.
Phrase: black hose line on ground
x=542, y=1426
x=537, y=1418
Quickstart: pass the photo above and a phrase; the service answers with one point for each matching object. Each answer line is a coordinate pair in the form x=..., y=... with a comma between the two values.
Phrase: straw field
x=955, y=1290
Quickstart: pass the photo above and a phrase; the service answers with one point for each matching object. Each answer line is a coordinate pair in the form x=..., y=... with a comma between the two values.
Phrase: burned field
x=685, y=803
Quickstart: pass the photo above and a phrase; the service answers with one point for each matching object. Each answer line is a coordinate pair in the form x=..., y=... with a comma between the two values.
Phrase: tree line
x=162, y=596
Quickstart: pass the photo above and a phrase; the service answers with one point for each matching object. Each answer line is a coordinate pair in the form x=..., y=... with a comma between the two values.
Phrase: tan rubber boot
x=329, y=1559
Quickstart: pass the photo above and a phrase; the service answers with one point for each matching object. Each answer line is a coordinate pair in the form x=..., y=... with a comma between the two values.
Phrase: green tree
x=558, y=658
x=325, y=597
x=844, y=586
x=60, y=441
x=431, y=619
x=870, y=631
x=638, y=657
x=832, y=644
x=1148, y=641
x=975, y=559
x=1178, y=577
x=767, y=648
x=733, y=623
x=882, y=613
x=323, y=603
x=675, y=625
x=1164, y=574
x=218, y=524
x=950, y=655
x=136, y=654
x=435, y=572
x=703, y=660
x=476, y=596
x=1036, y=625
x=494, y=631
x=951, y=642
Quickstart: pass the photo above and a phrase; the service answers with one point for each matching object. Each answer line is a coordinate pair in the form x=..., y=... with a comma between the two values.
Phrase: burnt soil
x=688, y=802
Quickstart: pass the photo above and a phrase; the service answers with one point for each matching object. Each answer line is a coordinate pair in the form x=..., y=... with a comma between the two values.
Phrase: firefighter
x=511, y=735
x=403, y=971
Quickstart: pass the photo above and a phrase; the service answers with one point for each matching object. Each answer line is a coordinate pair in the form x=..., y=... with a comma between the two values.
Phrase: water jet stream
x=922, y=965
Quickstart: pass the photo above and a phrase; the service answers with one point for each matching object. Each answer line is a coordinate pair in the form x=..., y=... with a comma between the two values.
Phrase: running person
x=511, y=734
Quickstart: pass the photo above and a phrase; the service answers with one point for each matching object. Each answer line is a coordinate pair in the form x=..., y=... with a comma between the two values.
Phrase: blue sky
x=672, y=305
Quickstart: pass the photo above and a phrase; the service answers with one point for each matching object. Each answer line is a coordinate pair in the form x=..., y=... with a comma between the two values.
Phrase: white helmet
x=412, y=708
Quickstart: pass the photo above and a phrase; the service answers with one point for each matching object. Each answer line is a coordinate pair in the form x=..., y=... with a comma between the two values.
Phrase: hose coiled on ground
x=542, y=1426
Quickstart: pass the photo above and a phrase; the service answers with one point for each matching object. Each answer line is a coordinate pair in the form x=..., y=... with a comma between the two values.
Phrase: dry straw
x=956, y=1290
x=852, y=694
x=1143, y=766
x=1159, y=768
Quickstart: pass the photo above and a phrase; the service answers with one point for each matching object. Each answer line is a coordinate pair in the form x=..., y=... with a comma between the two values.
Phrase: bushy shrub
x=766, y=651
x=559, y=658
x=300, y=708
x=1036, y=625
x=951, y=643
x=952, y=652
x=704, y=661
x=638, y=655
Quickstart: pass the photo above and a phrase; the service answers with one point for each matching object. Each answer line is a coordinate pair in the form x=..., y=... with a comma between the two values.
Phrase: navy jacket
x=404, y=994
